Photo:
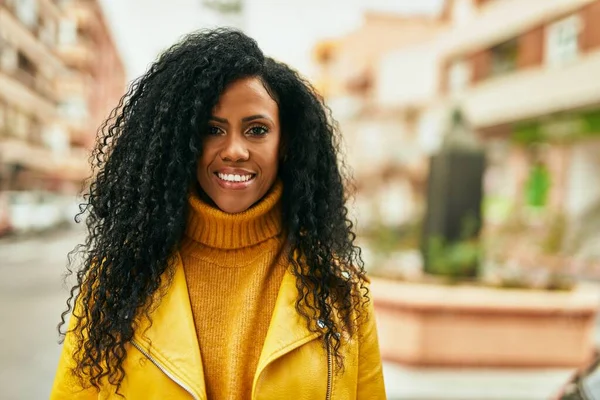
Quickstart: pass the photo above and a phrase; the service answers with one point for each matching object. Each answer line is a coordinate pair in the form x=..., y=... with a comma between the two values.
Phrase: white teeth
x=234, y=178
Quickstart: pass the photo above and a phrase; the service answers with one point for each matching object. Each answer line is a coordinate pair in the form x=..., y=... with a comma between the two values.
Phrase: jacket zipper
x=329, y=372
x=164, y=371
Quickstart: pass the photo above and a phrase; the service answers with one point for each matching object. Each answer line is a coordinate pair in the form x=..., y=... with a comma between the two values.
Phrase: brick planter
x=437, y=325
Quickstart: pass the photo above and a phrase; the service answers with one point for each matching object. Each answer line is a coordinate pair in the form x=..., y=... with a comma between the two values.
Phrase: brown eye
x=213, y=130
x=258, y=131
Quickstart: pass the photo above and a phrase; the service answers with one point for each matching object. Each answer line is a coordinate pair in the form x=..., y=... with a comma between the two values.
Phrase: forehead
x=248, y=94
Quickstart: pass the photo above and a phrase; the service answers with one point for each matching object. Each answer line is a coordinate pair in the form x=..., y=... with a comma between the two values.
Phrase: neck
x=212, y=227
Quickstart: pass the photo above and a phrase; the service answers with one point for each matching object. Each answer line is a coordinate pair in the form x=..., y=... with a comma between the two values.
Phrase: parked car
x=5, y=226
x=585, y=383
x=36, y=211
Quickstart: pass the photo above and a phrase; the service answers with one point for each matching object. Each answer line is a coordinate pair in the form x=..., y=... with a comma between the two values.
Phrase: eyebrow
x=245, y=119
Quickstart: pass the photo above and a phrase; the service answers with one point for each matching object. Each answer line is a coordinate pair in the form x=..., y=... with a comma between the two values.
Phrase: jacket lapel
x=170, y=338
x=171, y=341
x=287, y=331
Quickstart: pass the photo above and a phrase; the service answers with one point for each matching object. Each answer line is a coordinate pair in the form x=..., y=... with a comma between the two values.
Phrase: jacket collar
x=287, y=330
x=170, y=339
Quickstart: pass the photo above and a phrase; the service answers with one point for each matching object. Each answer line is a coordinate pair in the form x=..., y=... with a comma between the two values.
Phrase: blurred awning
x=66, y=167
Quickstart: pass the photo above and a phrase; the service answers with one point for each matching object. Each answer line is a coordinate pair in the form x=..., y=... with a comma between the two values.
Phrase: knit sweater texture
x=233, y=266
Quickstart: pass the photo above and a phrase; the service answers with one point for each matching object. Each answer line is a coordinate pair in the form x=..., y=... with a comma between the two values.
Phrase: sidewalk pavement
x=404, y=383
x=32, y=297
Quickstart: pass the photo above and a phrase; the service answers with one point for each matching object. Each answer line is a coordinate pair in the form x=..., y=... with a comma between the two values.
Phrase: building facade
x=379, y=138
x=60, y=74
x=525, y=75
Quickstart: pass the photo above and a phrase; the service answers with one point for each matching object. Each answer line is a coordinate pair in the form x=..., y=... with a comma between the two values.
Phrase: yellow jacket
x=165, y=363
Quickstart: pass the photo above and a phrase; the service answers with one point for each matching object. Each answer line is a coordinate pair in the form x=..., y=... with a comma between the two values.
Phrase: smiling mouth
x=235, y=178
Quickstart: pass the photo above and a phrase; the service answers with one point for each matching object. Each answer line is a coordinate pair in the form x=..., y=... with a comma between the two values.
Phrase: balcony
x=51, y=9
x=25, y=40
x=78, y=55
x=72, y=84
x=20, y=92
x=36, y=84
x=84, y=13
x=503, y=20
x=79, y=130
x=534, y=92
x=38, y=158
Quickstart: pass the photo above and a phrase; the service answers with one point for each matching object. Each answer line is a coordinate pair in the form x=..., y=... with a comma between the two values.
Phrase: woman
x=220, y=261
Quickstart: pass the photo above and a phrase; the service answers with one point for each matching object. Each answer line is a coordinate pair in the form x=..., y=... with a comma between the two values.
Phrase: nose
x=234, y=149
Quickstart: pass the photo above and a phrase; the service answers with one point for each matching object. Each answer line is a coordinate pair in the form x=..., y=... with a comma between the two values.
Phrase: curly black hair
x=144, y=164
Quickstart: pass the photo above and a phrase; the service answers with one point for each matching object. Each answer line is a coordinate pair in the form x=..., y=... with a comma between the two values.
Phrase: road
x=32, y=296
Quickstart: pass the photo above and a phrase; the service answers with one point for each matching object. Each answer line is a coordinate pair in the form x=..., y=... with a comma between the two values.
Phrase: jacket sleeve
x=66, y=385
x=370, y=371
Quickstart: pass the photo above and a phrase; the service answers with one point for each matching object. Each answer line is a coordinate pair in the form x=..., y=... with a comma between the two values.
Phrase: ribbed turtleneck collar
x=212, y=227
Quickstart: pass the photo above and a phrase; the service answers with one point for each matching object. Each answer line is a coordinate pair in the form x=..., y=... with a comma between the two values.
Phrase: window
x=56, y=139
x=67, y=34
x=26, y=71
x=3, y=122
x=74, y=107
x=35, y=131
x=48, y=32
x=562, y=41
x=27, y=12
x=504, y=57
x=21, y=125
x=8, y=58
x=10, y=120
x=25, y=64
x=459, y=76
x=462, y=11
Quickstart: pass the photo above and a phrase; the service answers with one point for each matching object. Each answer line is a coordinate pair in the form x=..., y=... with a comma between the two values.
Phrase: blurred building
x=96, y=78
x=523, y=73
x=381, y=142
x=60, y=75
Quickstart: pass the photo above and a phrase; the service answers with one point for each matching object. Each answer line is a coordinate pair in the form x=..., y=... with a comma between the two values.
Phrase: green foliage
x=553, y=241
x=456, y=259
x=386, y=239
x=453, y=260
x=563, y=128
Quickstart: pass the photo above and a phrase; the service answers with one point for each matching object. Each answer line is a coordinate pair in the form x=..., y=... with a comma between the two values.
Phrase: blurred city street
x=31, y=300
x=473, y=131
x=32, y=296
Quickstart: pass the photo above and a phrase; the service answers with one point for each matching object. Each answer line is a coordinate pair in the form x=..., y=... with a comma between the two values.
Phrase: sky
x=285, y=29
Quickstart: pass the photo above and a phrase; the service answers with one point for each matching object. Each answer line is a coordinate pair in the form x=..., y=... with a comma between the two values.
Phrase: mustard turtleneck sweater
x=233, y=268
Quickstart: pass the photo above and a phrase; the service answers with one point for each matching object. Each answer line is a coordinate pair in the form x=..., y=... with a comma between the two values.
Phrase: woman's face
x=240, y=156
